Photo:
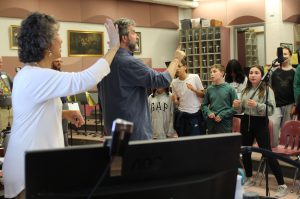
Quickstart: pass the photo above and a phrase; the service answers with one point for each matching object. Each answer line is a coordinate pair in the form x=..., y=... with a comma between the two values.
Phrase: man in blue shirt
x=123, y=93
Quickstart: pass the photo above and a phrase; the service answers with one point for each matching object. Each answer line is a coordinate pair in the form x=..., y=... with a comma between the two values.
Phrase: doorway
x=249, y=42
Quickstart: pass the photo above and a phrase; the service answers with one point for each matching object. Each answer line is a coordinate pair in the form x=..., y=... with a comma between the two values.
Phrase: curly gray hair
x=123, y=24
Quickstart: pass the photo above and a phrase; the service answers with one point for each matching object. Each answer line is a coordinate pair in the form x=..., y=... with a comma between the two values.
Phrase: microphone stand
x=270, y=154
x=265, y=79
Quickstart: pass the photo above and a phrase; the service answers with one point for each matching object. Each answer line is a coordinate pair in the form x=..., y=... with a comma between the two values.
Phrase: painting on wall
x=85, y=43
x=13, y=34
x=139, y=44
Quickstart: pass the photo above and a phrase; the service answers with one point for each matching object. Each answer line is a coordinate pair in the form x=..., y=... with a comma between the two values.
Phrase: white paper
x=73, y=106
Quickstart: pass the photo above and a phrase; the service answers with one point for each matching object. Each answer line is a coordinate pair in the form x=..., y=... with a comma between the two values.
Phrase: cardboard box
x=186, y=24
x=196, y=23
x=215, y=23
x=205, y=23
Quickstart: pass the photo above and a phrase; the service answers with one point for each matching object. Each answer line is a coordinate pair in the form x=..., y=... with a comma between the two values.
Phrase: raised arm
x=179, y=55
x=114, y=41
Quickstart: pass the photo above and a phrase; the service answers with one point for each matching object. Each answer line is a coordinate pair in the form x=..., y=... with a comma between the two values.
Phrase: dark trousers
x=187, y=124
x=258, y=129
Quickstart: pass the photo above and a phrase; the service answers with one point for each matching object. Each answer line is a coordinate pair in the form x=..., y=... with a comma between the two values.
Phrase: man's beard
x=55, y=68
x=133, y=47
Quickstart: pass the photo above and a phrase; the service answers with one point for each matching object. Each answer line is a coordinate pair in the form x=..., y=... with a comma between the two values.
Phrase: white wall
x=158, y=44
x=277, y=31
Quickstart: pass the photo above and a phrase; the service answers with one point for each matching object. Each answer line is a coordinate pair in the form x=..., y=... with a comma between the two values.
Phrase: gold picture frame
x=13, y=36
x=139, y=44
x=85, y=43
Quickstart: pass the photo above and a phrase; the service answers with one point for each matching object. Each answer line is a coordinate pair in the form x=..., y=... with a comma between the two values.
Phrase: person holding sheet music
x=37, y=107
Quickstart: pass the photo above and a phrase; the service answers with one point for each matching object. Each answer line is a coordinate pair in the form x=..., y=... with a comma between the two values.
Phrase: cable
x=100, y=180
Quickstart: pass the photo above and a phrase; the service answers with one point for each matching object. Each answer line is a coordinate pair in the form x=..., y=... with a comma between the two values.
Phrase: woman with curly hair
x=37, y=108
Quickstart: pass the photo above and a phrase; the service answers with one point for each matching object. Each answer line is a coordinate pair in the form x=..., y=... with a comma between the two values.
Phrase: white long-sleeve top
x=37, y=110
x=161, y=112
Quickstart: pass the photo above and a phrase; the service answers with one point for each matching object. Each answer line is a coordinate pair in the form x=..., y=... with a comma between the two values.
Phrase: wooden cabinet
x=205, y=47
x=251, y=49
x=247, y=48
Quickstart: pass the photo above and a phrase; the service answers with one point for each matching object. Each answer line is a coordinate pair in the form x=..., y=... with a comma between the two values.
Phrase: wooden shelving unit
x=205, y=47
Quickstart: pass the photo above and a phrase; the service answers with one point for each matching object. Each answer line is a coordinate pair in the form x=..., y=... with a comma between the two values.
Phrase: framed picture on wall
x=289, y=45
x=139, y=44
x=85, y=43
x=13, y=36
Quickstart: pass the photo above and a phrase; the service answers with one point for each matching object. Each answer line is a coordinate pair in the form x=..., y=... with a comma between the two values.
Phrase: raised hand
x=113, y=34
x=179, y=54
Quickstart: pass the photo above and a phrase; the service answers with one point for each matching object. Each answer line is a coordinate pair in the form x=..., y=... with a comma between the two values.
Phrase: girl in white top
x=37, y=108
x=235, y=76
x=161, y=110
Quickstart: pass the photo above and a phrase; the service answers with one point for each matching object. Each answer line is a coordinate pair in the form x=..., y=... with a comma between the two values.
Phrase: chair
x=236, y=123
x=289, y=143
x=82, y=100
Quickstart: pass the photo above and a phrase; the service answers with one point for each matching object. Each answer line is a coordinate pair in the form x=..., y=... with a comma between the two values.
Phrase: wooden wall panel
x=225, y=45
x=252, y=8
x=71, y=64
x=10, y=63
x=67, y=10
x=88, y=61
x=291, y=11
x=139, y=12
x=246, y=20
x=17, y=8
x=96, y=11
x=164, y=16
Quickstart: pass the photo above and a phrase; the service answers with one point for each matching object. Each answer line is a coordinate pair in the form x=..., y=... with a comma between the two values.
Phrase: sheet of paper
x=73, y=106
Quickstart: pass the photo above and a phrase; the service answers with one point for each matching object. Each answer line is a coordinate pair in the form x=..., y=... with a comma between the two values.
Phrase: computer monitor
x=186, y=168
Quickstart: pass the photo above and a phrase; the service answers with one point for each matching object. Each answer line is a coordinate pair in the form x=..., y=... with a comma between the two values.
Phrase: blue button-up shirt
x=123, y=93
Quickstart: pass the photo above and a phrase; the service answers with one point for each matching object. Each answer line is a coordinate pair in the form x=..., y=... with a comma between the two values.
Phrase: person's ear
x=124, y=38
x=185, y=67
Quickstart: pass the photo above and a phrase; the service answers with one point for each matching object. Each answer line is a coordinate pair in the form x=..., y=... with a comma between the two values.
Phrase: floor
x=261, y=189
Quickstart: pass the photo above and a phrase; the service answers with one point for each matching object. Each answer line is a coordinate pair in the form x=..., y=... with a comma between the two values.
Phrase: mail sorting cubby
x=189, y=40
x=205, y=47
x=251, y=48
x=210, y=51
